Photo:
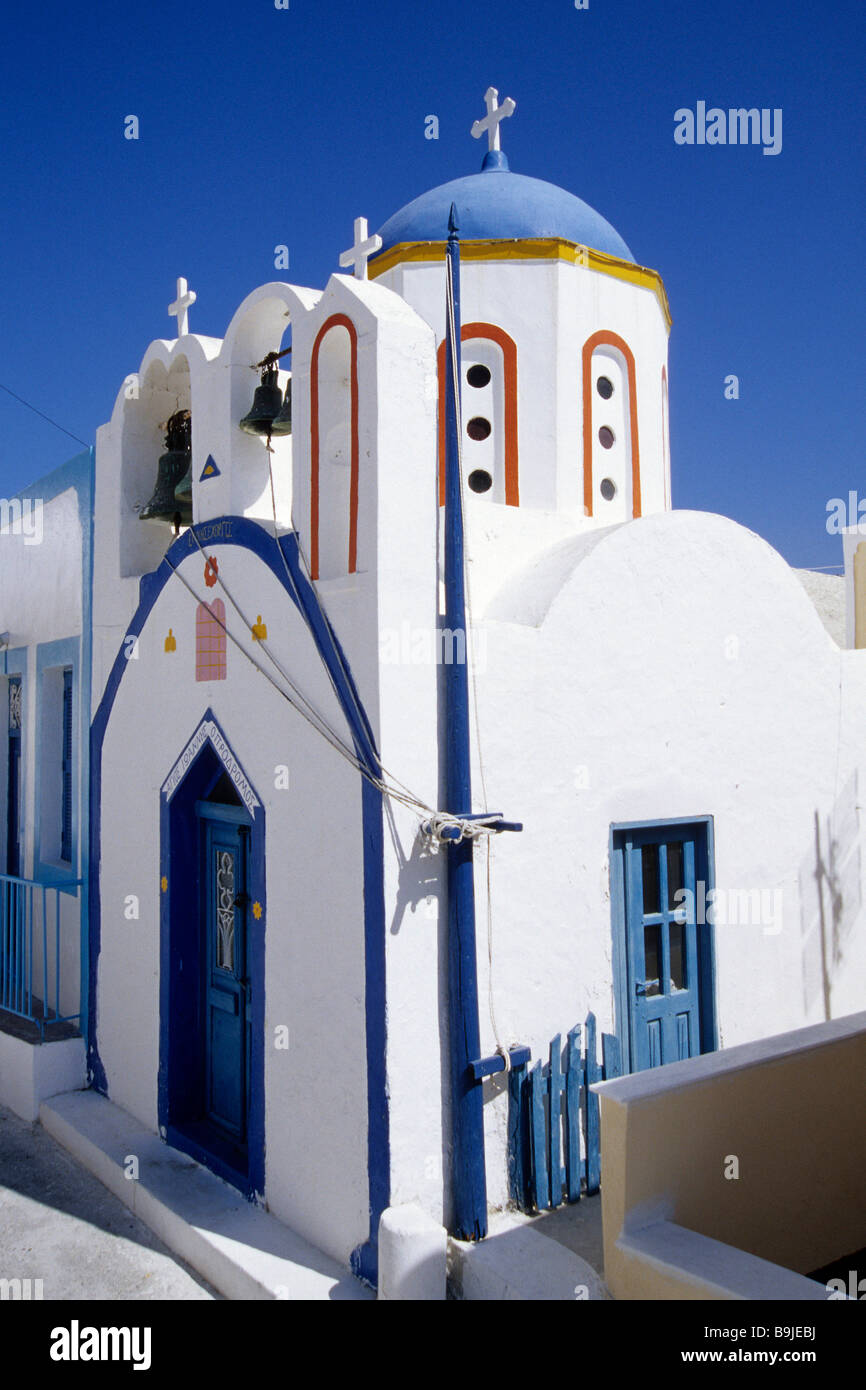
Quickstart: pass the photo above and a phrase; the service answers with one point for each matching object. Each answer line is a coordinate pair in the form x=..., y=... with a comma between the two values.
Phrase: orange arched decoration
x=509, y=357
x=335, y=321
x=604, y=336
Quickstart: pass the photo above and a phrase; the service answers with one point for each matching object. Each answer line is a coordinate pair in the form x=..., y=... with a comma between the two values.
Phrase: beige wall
x=790, y=1109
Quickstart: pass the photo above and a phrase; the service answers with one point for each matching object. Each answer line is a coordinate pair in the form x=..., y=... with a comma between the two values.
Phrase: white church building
x=656, y=700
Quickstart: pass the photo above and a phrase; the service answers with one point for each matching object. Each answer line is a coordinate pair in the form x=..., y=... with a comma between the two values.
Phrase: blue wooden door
x=669, y=973
x=226, y=988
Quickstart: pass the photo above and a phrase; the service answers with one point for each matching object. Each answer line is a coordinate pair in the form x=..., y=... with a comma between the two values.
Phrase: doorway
x=661, y=876
x=211, y=1080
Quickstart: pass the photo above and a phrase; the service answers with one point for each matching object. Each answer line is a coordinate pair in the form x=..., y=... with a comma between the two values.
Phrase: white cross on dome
x=495, y=114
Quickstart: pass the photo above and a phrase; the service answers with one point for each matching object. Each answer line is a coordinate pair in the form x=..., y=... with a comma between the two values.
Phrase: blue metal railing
x=30, y=964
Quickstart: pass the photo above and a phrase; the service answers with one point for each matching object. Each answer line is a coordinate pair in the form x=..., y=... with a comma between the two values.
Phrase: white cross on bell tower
x=180, y=308
x=495, y=114
x=365, y=247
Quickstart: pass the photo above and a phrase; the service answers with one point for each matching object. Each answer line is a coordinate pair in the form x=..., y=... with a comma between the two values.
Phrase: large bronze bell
x=173, y=465
x=267, y=401
x=283, y=422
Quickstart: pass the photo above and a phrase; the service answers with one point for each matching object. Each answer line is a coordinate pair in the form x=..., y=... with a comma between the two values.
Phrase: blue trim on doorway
x=178, y=1045
x=279, y=555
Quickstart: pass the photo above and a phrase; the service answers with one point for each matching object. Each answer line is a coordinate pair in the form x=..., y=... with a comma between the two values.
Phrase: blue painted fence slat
x=611, y=1056
x=519, y=1158
x=573, y=1082
x=554, y=1121
x=538, y=1131
x=593, y=1073
x=554, y=1144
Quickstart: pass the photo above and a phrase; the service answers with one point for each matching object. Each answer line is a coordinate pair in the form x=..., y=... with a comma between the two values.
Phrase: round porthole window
x=480, y=480
x=608, y=489
x=478, y=428
x=605, y=437
x=604, y=387
x=478, y=375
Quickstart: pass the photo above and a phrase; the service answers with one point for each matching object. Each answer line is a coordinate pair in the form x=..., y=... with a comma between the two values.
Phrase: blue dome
x=497, y=204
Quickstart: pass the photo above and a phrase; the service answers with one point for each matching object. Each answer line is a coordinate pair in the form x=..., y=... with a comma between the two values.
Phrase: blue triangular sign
x=210, y=470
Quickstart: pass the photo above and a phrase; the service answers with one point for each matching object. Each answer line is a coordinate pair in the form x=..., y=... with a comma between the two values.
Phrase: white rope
x=316, y=719
x=408, y=798
x=311, y=719
x=426, y=813
x=440, y=821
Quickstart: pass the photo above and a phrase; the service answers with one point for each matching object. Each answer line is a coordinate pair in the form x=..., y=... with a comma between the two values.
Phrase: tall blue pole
x=469, y=1185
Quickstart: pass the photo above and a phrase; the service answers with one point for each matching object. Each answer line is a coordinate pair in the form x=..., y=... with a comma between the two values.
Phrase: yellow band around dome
x=528, y=249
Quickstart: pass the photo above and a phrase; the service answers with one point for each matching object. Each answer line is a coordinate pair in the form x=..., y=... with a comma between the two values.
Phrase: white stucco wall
x=39, y=601
x=672, y=667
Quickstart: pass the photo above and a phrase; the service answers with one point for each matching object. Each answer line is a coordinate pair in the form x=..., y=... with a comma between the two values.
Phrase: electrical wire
x=43, y=416
x=230, y=635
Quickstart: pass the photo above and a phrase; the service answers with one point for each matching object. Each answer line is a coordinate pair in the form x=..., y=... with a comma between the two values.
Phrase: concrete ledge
x=518, y=1264
x=666, y=1261
x=240, y=1249
x=31, y=1072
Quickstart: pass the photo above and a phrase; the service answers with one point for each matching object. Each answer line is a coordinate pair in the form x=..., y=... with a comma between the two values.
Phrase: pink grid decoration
x=210, y=641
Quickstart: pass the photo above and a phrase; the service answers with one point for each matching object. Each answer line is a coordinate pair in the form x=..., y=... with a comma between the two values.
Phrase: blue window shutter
x=66, y=811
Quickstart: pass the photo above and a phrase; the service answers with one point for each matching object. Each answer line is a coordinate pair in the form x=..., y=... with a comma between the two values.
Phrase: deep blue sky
x=261, y=126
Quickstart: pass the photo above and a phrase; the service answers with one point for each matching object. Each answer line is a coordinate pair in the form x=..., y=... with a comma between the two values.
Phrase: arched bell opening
x=260, y=402
x=156, y=453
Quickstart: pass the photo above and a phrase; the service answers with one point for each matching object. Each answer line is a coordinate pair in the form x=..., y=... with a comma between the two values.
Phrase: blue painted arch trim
x=273, y=552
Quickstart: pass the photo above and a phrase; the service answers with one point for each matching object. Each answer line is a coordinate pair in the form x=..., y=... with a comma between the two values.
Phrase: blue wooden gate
x=553, y=1129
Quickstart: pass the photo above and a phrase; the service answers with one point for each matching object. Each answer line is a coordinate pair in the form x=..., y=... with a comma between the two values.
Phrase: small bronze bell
x=283, y=422
x=266, y=405
x=173, y=465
